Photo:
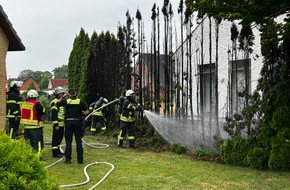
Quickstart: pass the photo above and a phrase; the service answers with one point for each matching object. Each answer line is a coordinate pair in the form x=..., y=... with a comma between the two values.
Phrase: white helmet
x=15, y=84
x=105, y=100
x=130, y=93
x=59, y=90
x=32, y=94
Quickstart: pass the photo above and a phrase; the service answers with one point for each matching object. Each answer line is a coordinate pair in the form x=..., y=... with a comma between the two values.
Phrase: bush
x=156, y=141
x=225, y=151
x=257, y=158
x=234, y=151
x=280, y=154
x=202, y=154
x=178, y=149
x=20, y=167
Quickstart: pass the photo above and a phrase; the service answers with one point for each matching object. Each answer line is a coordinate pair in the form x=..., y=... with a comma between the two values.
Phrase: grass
x=136, y=169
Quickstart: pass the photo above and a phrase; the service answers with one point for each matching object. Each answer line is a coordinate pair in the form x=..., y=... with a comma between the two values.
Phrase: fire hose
x=101, y=108
x=92, y=145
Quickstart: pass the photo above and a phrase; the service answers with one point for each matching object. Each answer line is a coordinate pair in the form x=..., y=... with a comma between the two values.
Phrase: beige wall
x=3, y=52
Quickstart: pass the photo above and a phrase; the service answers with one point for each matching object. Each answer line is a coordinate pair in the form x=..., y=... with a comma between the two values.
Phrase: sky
x=47, y=28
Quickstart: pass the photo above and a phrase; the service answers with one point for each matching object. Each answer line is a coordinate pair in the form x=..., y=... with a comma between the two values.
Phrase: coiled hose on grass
x=92, y=145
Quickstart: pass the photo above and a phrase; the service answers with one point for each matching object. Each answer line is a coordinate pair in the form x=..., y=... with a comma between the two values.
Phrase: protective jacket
x=98, y=116
x=31, y=116
x=57, y=113
x=128, y=111
x=13, y=104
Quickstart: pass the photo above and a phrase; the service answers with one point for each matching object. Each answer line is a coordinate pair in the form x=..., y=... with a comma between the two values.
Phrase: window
x=240, y=77
x=207, y=83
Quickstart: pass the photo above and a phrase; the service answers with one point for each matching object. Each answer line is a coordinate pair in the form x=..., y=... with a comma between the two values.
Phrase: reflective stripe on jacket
x=128, y=113
x=29, y=115
x=60, y=113
x=13, y=105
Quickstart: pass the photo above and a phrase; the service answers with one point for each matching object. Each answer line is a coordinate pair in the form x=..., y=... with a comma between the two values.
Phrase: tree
x=25, y=73
x=40, y=76
x=128, y=44
x=180, y=11
x=121, y=44
x=154, y=60
x=61, y=71
x=140, y=39
x=31, y=86
x=43, y=84
x=76, y=59
x=165, y=11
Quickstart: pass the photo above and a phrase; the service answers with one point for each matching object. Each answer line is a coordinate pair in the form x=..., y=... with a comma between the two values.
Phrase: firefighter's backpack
x=120, y=104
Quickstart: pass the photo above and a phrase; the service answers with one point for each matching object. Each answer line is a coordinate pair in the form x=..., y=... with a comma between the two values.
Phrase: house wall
x=224, y=44
x=27, y=82
x=3, y=52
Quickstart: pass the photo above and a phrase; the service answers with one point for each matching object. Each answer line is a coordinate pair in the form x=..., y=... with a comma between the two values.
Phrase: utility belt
x=39, y=126
x=73, y=119
x=32, y=127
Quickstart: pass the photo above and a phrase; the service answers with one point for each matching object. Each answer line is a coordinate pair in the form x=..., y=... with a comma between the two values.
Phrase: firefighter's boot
x=120, y=143
x=56, y=153
x=132, y=143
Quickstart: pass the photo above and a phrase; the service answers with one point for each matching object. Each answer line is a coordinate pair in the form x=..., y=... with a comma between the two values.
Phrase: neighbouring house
x=27, y=83
x=147, y=63
x=55, y=82
x=9, y=41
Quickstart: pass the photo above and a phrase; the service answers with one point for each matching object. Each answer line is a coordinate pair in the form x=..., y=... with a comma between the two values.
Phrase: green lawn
x=136, y=169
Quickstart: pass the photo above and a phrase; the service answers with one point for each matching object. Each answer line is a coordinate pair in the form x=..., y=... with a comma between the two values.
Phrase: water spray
x=184, y=131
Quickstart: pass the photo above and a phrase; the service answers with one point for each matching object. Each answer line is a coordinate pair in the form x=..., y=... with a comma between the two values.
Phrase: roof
x=15, y=43
x=23, y=79
x=55, y=82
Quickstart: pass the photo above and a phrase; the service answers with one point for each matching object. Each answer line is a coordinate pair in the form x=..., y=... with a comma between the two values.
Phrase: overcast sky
x=47, y=28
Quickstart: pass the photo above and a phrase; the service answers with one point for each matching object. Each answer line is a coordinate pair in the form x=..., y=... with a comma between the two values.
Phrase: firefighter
x=13, y=109
x=127, y=119
x=57, y=118
x=75, y=109
x=31, y=117
x=99, y=116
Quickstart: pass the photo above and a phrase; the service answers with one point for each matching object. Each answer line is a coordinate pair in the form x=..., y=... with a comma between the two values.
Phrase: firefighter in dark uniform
x=127, y=119
x=99, y=116
x=13, y=109
x=75, y=109
x=31, y=117
x=57, y=118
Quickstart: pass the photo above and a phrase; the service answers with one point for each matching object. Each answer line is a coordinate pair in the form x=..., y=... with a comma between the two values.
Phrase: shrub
x=257, y=158
x=203, y=154
x=234, y=151
x=20, y=167
x=280, y=154
x=225, y=151
x=178, y=149
x=156, y=141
